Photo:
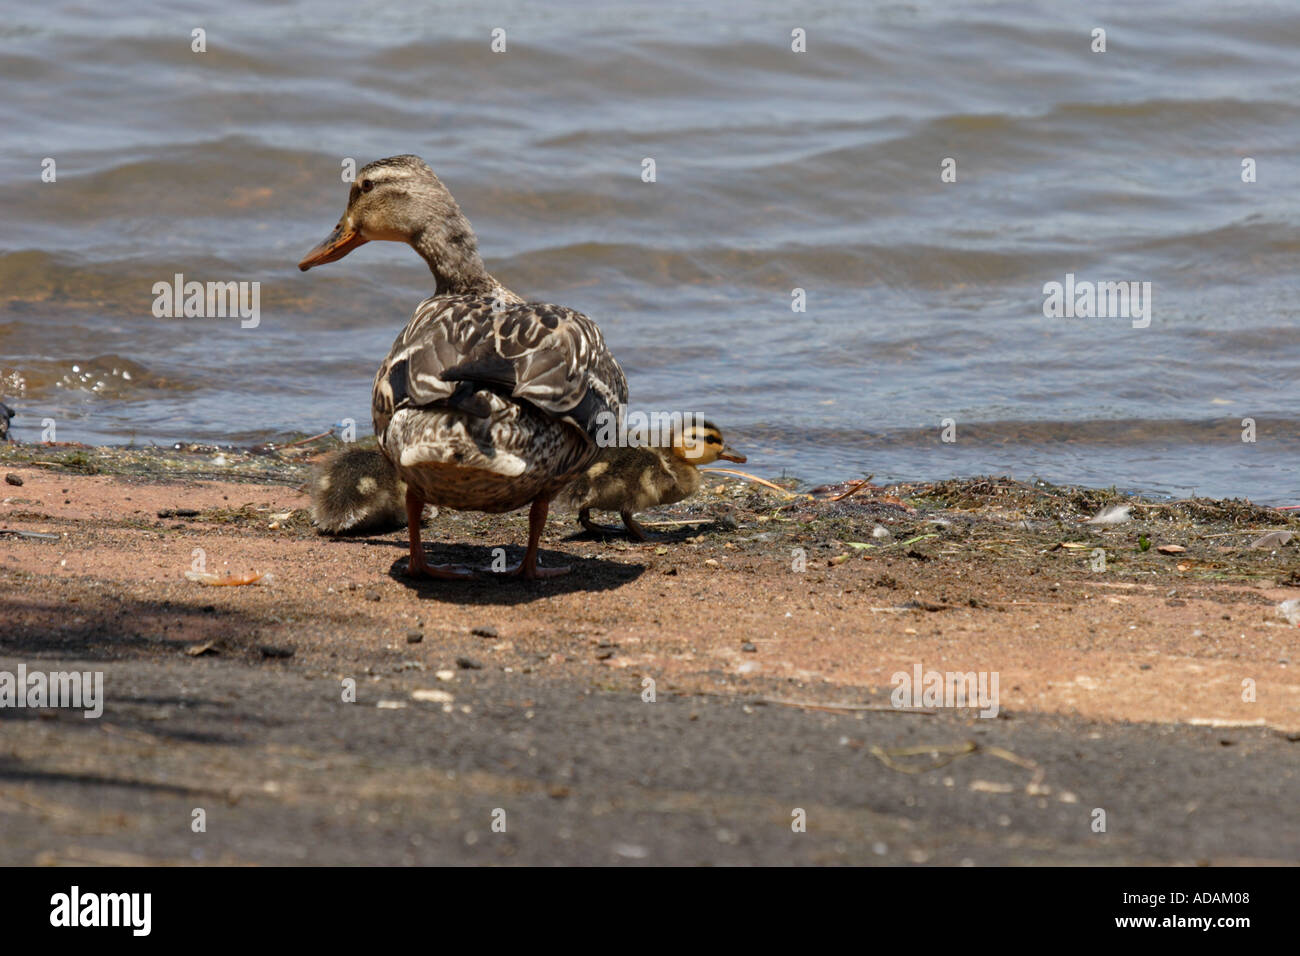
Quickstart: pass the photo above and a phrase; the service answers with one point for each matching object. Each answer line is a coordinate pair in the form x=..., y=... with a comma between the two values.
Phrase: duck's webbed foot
x=439, y=572
x=529, y=567
x=520, y=569
x=418, y=566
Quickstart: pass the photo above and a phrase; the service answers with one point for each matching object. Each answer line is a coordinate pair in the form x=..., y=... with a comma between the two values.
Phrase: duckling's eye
x=713, y=440
x=367, y=185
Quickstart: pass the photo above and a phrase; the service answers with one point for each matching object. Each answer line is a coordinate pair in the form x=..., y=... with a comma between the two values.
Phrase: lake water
x=775, y=171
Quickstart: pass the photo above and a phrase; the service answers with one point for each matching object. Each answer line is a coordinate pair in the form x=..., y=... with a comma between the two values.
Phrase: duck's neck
x=452, y=255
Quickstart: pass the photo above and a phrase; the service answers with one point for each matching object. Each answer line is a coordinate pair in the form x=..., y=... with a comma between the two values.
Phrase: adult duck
x=485, y=402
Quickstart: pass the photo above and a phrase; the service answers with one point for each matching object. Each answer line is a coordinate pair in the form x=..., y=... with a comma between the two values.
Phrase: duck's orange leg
x=529, y=568
x=418, y=566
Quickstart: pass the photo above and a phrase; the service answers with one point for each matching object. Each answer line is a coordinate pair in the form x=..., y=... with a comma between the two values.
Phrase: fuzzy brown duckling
x=357, y=491
x=628, y=480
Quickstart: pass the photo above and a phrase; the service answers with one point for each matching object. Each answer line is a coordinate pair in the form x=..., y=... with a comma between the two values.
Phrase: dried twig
x=950, y=753
x=762, y=481
x=855, y=489
x=303, y=441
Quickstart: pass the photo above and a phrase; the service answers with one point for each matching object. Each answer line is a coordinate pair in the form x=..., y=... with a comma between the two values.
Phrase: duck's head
x=701, y=443
x=401, y=199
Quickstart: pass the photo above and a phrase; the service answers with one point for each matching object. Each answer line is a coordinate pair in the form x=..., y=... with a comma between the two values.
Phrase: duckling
x=631, y=479
x=486, y=402
x=357, y=491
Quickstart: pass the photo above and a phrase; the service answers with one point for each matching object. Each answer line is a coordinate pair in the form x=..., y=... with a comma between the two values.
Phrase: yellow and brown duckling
x=357, y=491
x=631, y=479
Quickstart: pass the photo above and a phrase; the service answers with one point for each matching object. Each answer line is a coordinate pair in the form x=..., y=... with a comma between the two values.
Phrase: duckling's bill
x=730, y=454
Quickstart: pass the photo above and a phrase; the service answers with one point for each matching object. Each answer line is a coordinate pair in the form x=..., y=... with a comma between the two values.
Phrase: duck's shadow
x=486, y=587
x=677, y=535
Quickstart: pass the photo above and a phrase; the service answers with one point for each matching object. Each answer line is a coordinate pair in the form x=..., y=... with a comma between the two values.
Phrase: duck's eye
x=367, y=185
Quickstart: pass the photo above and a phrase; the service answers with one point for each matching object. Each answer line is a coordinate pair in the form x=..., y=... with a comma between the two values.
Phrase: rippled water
x=775, y=170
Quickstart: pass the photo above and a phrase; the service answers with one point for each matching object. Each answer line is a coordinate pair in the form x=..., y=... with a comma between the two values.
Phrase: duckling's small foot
x=599, y=530
x=634, y=529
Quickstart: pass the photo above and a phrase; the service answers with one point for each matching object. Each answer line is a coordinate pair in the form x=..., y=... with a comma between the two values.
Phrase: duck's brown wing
x=549, y=356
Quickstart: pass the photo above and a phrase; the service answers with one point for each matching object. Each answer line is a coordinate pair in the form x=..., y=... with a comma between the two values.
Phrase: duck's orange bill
x=336, y=245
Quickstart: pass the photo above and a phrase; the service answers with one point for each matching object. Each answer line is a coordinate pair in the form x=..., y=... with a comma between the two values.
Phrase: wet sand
x=1118, y=689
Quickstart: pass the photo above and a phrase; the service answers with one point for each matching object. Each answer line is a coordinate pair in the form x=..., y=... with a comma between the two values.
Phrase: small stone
x=468, y=664
x=749, y=648
x=414, y=637
x=485, y=631
x=372, y=595
x=433, y=696
x=276, y=651
x=12, y=479
x=445, y=675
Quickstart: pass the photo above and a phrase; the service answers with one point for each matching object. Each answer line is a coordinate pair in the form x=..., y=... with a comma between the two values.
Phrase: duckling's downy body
x=357, y=491
x=631, y=479
x=486, y=402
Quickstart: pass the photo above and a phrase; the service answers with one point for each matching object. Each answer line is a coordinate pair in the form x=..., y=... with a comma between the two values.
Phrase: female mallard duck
x=486, y=402
x=628, y=480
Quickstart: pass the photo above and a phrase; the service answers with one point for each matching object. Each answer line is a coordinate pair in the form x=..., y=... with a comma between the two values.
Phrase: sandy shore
x=1119, y=689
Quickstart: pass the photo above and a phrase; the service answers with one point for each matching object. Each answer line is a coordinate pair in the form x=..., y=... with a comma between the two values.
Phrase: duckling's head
x=701, y=443
x=401, y=199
